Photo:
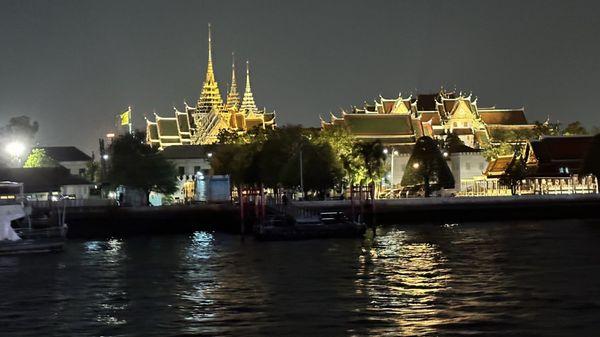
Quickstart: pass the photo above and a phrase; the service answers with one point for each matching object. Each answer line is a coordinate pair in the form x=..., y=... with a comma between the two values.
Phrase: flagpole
x=130, y=121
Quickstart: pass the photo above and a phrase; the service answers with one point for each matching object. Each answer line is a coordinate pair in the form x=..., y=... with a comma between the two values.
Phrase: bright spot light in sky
x=15, y=149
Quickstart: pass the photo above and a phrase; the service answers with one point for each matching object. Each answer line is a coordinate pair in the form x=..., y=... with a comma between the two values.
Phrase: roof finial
x=233, y=99
x=210, y=76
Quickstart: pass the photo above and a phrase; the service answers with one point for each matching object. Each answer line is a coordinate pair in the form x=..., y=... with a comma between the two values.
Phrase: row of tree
x=293, y=157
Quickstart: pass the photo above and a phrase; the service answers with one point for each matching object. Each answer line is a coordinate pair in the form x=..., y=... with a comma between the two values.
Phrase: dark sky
x=72, y=65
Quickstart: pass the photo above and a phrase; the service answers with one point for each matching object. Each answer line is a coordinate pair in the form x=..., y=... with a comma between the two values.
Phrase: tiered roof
x=428, y=114
x=248, y=104
x=552, y=153
x=233, y=98
x=201, y=124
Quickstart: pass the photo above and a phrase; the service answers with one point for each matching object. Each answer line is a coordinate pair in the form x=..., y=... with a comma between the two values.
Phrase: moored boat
x=326, y=225
x=17, y=236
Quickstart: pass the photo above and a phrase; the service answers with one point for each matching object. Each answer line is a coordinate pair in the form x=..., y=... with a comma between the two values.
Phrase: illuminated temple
x=201, y=124
x=400, y=121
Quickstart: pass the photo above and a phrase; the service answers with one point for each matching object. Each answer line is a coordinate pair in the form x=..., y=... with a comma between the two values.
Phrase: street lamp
x=105, y=156
x=209, y=155
x=15, y=149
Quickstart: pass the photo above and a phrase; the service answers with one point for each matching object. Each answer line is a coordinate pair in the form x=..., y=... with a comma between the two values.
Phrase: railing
x=72, y=203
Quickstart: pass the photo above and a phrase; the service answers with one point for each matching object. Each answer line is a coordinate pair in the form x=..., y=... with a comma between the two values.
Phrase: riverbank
x=86, y=222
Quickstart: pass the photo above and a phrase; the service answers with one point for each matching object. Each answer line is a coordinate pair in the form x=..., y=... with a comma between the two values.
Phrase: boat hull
x=30, y=246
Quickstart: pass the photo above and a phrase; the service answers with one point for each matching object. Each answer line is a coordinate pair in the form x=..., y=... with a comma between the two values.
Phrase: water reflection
x=408, y=278
x=492, y=279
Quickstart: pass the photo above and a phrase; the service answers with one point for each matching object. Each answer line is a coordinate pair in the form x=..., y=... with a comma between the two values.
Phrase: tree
x=343, y=144
x=373, y=160
x=574, y=128
x=515, y=172
x=453, y=142
x=320, y=168
x=591, y=162
x=136, y=165
x=39, y=158
x=92, y=171
x=18, y=130
x=426, y=166
x=545, y=129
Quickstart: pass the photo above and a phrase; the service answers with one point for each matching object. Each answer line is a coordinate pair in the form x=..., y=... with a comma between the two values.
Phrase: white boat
x=17, y=236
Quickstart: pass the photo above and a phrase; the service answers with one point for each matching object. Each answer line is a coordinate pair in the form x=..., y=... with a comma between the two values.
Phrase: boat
x=326, y=225
x=17, y=235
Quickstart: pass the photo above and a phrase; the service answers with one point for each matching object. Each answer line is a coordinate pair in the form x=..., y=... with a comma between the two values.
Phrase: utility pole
x=301, y=177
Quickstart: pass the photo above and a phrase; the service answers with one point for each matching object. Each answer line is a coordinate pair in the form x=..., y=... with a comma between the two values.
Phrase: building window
x=465, y=124
x=181, y=170
x=454, y=124
x=197, y=169
x=82, y=172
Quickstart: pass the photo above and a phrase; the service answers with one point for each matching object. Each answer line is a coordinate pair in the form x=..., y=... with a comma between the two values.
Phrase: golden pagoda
x=210, y=96
x=203, y=123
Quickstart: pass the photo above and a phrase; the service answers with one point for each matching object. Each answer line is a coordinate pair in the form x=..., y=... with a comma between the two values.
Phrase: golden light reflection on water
x=110, y=255
x=410, y=276
x=201, y=281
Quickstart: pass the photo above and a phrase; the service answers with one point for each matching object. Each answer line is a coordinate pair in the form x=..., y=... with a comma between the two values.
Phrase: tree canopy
x=137, y=165
x=39, y=158
x=427, y=167
x=20, y=130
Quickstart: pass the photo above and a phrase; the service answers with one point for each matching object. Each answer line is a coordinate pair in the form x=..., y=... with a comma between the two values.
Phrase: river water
x=520, y=279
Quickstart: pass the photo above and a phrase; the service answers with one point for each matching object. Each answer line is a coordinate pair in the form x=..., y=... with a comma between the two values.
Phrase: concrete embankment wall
x=86, y=222
x=450, y=210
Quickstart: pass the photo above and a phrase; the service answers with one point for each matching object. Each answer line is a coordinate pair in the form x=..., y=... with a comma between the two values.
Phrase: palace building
x=400, y=121
x=201, y=124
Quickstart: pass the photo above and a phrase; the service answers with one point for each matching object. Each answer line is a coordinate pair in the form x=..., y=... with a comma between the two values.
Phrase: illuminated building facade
x=202, y=123
x=400, y=121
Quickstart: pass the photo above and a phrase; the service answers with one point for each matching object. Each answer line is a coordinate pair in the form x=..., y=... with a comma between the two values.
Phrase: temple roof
x=497, y=167
x=65, y=153
x=379, y=124
x=434, y=116
x=561, y=148
x=186, y=152
x=506, y=117
x=167, y=127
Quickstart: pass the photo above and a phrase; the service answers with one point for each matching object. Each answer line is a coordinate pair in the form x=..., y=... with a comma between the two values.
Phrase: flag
x=125, y=117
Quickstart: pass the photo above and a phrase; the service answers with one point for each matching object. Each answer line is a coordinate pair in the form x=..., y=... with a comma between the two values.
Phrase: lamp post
x=392, y=154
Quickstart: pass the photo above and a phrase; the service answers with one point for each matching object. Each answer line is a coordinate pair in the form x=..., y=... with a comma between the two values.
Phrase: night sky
x=73, y=65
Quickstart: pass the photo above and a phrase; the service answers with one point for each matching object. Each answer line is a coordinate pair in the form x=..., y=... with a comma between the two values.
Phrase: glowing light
x=15, y=149
x=395, y=153
x=105, y=157
x=385, y=151
x=445, y=154
x=209, y=155
x=110, y=135
x=416, y=165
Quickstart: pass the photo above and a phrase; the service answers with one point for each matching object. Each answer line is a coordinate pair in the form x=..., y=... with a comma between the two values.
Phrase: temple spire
x=210, y=97
x=210, y=75
x=248, y=104
x=233, y=98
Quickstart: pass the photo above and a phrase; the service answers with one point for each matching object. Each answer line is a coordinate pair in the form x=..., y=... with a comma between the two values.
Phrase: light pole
x=392, y=154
